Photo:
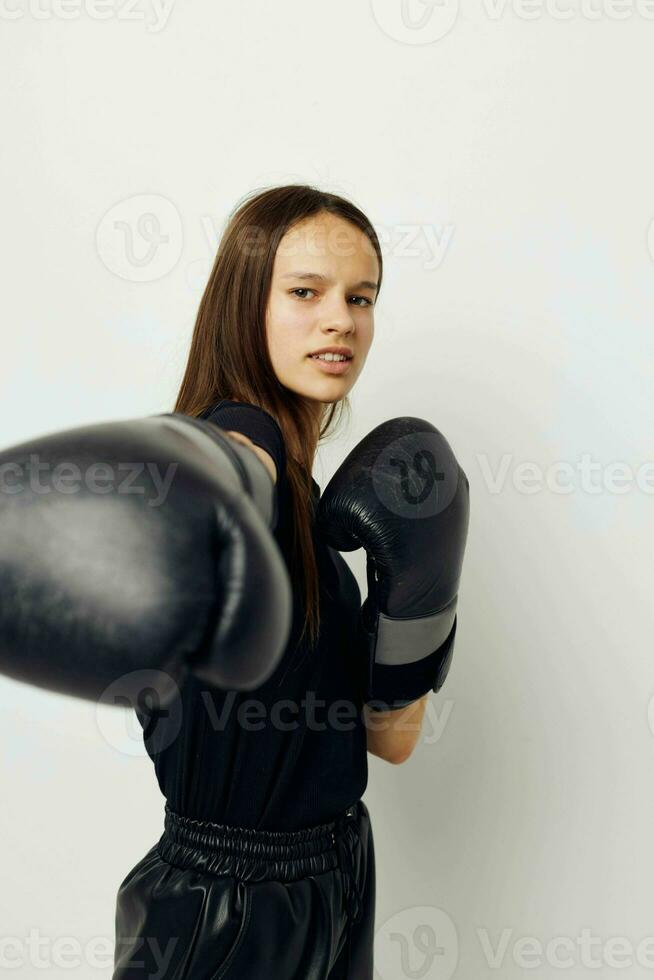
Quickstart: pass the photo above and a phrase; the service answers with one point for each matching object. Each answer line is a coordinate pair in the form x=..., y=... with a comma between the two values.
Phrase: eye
x=305, y=289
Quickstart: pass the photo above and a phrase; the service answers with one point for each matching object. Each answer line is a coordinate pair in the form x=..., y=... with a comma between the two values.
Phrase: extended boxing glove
x=133, y=551
x=402, y=496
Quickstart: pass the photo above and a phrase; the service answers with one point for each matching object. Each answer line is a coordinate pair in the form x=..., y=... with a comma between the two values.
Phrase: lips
x=332, y=367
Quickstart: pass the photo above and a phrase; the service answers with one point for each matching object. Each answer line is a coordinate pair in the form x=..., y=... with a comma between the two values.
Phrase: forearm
x=393, y=735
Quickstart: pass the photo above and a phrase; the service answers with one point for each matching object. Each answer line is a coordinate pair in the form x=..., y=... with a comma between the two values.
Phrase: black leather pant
x=209, y=902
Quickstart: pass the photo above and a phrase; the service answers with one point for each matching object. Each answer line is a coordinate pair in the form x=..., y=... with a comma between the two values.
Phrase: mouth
x=331, y=367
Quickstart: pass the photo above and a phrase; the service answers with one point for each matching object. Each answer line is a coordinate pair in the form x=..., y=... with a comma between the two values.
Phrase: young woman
x=266, y=865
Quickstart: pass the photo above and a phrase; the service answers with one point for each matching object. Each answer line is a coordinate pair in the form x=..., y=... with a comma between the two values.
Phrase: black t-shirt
x=292, y=753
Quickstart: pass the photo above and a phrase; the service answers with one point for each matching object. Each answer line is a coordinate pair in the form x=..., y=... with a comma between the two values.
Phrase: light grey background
x=505, y=156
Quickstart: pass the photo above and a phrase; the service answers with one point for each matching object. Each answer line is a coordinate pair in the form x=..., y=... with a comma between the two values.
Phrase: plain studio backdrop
x=504, y=153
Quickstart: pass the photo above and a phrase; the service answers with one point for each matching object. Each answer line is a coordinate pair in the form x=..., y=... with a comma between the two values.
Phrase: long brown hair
x=228, y=357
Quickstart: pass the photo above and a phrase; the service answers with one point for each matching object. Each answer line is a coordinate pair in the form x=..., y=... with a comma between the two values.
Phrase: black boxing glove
x=133, y=551
x=402, y=496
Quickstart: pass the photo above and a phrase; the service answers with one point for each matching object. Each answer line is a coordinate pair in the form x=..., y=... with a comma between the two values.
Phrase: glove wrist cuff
x=394, y=685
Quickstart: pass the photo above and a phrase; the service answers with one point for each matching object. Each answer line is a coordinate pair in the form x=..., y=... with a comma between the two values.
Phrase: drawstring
x=354, y=898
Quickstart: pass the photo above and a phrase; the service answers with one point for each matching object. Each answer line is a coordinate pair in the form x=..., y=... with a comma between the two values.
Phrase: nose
x=338, y=317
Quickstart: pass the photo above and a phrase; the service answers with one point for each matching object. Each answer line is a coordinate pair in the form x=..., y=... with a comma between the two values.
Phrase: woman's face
x=322, y=294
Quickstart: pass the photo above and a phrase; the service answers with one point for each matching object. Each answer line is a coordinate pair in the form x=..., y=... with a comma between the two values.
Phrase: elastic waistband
x=258, y=855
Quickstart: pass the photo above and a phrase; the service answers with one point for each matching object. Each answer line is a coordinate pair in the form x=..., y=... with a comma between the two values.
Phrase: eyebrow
x=364, y=284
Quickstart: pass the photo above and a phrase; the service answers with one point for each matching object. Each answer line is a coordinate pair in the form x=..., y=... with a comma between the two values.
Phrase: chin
x=328, y=390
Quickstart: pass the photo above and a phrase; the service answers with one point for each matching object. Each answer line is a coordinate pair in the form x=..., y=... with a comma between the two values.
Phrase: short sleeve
x=255, y=423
